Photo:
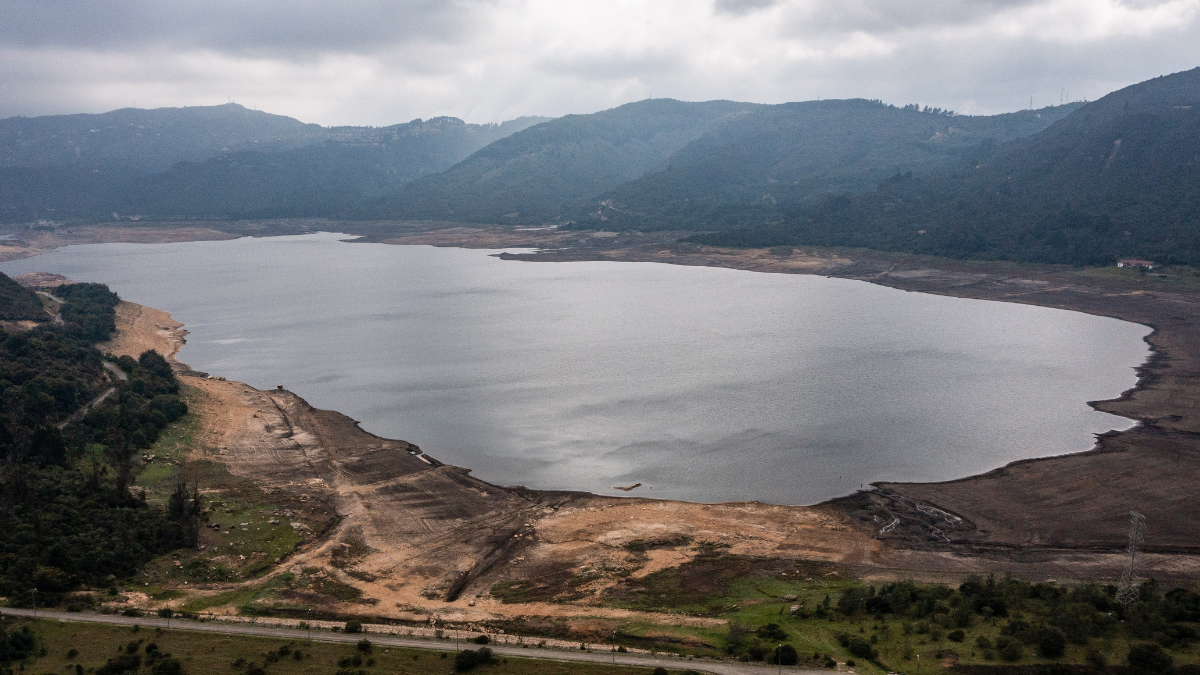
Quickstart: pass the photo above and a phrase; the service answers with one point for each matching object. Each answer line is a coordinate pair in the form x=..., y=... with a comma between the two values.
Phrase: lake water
x=701, y=383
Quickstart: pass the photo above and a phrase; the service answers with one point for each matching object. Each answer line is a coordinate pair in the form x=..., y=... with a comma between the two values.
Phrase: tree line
x=66, y=507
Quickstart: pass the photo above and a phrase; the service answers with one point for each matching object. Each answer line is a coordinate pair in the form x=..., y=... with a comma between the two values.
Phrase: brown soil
x=415, y=538
x=31, y=241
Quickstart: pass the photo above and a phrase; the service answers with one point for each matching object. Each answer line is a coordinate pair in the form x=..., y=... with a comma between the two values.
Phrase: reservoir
x=702, y=384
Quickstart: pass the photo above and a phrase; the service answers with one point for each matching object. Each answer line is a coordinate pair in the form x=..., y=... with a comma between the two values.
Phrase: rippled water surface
x=701, y=383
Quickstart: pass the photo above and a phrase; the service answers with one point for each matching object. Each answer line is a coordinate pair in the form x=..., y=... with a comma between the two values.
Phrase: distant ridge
x=1117, y=178
x=755, y=167
x=531, y=176
x=147, y=140
x=224, y=161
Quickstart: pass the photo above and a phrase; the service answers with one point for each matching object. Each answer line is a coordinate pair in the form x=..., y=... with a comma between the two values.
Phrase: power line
x=1127, y=591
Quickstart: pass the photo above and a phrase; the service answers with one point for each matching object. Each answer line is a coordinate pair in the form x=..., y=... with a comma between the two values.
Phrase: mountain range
x=1117, y=178
x=217, y=161
x=1080, y=183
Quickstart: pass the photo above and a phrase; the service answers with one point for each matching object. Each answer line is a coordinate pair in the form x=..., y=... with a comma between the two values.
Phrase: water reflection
x=702, y=383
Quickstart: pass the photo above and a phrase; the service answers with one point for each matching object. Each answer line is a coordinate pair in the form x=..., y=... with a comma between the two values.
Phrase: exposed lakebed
x=701, y=383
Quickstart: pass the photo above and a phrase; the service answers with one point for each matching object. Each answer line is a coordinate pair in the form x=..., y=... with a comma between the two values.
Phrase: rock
x=790, y=597
x=795, y=609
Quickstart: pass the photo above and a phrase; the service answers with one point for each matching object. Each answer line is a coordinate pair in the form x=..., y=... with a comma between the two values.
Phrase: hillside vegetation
x=530, y=176
x=1119, y=177
x=216, y=161
x=18, y=303
x=325, y=179
x=755, y=167
x=65, y=504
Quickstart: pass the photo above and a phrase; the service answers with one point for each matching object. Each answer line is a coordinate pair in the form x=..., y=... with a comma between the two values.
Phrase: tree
x=1051, y=642
x=1150, y=657
x=785, y=655
x=469, y=658
x=353, y=626
x=186, y=508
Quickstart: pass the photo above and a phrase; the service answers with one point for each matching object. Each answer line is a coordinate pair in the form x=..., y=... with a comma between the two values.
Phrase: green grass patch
x=91, y=646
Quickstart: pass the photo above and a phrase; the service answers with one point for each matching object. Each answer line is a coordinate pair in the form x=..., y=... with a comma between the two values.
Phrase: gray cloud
x=743, y=6
x=238, y=26
x=378, y=62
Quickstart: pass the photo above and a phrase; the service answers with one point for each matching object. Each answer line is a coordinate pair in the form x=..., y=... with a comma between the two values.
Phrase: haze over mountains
x=217, y=161
x=1077, y=183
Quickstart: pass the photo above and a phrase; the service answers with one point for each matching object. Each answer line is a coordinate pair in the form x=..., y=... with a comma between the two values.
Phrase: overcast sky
x=380, y=62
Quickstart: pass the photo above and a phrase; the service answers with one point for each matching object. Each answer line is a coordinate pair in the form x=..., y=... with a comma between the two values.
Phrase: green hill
x=147, y=140
x=326, y=179
x=216, y=161
x=1120, y=177
x=18, y=303
x=529, y=177
x=750, y=168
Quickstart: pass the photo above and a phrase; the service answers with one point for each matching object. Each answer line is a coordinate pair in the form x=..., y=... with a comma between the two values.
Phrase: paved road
x=721, y=668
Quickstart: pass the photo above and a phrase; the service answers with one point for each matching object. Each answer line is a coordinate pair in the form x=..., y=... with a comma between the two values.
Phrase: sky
x=379, y=62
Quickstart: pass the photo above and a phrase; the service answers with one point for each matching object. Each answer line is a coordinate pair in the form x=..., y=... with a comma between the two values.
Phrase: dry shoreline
x=1051, y=517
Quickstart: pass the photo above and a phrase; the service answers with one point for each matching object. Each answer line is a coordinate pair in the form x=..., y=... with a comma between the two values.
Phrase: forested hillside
x=332, y=177
x=18, y=303
x=531, y=176
x=1117, y=178
x=217, y=161
x=750, y=168
x=65, y=504
x=147, y=140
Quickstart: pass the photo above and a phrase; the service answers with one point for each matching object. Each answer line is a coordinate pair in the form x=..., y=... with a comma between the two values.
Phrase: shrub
x=772, y=632
x=1013, y=650
x=166, y=612
x=353, y=626
x=983, y=642
x=364, y=645
x=1149, y=657
x=481, y=640
x=469, y=658
x=1051, y=642
x=956, y=635
x=660, y=671
x=859, y=647
x=786, y=656
x=168, y=667
x=1095, y=658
